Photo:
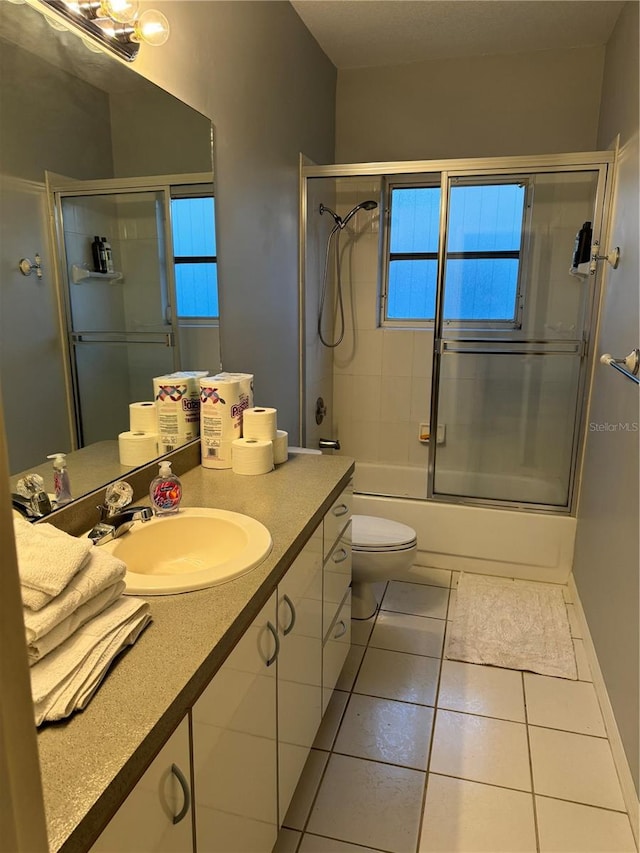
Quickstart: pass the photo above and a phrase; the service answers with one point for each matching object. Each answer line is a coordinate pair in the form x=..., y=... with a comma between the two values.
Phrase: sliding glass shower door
x=512, y=326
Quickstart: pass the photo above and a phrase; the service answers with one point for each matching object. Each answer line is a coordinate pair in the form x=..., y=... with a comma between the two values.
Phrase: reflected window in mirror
x=194, y=247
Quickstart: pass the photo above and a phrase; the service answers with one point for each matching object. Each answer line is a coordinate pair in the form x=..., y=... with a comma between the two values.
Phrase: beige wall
x=255, y=70
x=525, y=103
x=606, y=557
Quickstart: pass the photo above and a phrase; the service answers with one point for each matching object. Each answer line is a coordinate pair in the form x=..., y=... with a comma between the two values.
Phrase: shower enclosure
x=463, y=370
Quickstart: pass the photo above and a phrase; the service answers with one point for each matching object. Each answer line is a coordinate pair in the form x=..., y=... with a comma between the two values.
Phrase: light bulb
x=122, y=11
x=151, y=27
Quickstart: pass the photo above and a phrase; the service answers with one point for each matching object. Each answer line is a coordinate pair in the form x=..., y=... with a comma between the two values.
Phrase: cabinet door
x=335, y=650
x=337, y=578
x=145, y=821
x=337, y=517
x=299, y=665
x=235, y=748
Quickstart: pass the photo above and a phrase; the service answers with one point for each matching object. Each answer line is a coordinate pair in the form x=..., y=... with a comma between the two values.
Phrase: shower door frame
x=602, y=162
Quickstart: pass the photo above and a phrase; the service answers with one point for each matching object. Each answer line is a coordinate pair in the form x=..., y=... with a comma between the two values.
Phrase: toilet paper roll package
x=260, y=423
x=251, y=456
x=220, y=420
x=137, y=448
x=246, y=386
x=143, y=417
x=177, y=398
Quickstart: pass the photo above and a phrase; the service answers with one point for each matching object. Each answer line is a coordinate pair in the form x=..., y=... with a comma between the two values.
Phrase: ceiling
x=365, y=33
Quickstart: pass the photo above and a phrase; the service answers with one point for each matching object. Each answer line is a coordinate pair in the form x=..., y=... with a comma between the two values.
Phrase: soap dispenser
x=165, y=490
x=61, y=484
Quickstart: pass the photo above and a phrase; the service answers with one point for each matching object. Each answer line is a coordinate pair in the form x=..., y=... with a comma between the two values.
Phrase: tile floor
x=420, y=755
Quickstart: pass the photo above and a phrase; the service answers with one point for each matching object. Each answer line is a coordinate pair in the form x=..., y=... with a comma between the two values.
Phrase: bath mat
x=513, y=624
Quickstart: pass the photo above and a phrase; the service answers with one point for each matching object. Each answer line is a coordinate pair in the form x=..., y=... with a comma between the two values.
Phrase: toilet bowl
x=382, y=550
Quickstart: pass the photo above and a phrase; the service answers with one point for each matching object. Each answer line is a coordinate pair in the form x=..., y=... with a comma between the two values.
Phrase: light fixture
x=115, y=24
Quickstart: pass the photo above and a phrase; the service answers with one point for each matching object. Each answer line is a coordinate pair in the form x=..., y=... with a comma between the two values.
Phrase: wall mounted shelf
x=79, y=273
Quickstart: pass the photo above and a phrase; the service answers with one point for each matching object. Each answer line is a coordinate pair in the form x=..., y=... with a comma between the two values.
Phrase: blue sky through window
x=194, y=236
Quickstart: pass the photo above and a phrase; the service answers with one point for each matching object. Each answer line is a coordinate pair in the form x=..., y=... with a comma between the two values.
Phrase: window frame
x=189, y=191
x=401, y=182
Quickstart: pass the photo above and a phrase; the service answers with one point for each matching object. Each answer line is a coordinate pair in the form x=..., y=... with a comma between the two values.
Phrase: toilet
x=382, y=550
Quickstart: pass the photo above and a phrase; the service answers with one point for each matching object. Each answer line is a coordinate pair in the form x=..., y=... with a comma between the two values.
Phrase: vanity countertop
x=90, y=762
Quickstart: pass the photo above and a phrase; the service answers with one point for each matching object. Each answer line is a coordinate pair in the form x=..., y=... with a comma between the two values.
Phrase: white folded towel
x=101, y=571
x=47, y=557
x=66, y=679
x=38, y=648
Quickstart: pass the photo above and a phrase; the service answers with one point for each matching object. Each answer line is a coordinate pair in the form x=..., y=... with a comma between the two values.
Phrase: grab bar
x=631, y=364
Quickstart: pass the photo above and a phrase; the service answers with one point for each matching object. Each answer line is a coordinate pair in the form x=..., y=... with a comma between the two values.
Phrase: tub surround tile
x=574, y=767
x=394, y=675
x=368, y=803
x=387, y=731
x=481, y=749
x=484, y=690
x=417, y=635
x=560, y=704
x=564, y=827
x=416, y=599
x=463, y=816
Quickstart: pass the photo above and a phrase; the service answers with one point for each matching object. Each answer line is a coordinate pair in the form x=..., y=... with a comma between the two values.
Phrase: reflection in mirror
x=90, y=146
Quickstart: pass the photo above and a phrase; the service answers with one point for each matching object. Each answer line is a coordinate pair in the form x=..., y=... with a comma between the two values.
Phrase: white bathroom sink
x=195, y=549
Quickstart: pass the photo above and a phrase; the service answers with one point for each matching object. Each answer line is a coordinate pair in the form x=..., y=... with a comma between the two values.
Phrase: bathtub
x=524, y=545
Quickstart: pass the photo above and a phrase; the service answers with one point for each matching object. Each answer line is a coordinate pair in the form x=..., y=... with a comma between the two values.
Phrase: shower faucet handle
x=329, y=444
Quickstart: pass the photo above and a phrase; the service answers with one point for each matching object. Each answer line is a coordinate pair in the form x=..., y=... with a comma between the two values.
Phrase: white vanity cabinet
x=299, y=665
x=235, y=747
x=156, y=816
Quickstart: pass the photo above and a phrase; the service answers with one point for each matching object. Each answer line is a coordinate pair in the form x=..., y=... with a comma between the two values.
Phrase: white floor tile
x=432, y=577
x=453, y=597
x=564, y=827
x=393, y=675
x=384, y=730
x=300, y=805
x=361, y=630
x=574, y=767
x=331, y=720
x=350, y=668
x=364, y=802
x=582, y=661
x=481, y=749
x=484, y=690
x=560, y=704
x=288, y=840
x=417, y=599
x=416, y=635
x=467, y=817
x=574, y=625
x=320, y=844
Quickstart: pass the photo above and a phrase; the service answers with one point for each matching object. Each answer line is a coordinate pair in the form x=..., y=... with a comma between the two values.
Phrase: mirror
x=81, y=116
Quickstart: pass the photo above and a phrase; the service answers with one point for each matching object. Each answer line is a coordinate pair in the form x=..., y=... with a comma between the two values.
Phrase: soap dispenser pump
x=61, y=483
x=165, y=490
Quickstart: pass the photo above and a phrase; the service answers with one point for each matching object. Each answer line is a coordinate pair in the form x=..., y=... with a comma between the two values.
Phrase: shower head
x=370, y=204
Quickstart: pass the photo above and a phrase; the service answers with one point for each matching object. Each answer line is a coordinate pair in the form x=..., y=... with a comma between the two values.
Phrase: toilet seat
x=381, y=535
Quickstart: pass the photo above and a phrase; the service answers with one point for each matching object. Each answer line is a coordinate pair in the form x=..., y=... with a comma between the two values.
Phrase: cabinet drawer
x=337, y=517
x=335, y=650
x=336, y=578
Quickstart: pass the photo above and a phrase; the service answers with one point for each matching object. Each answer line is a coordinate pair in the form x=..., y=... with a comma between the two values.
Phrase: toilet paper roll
x=251, y=456
x=143, y=417
x=260, y=423
x=137, y=448
x=281, y=447
x=216, y=454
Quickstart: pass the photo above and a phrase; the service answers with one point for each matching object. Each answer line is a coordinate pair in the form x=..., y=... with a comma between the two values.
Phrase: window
x=194, y=246
x=482, y=263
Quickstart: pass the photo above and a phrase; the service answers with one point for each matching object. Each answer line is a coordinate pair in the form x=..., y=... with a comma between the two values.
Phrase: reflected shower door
x=512, y=324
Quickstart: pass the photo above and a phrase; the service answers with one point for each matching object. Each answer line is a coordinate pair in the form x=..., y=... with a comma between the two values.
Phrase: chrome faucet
x=112, y=526
x=31, y=499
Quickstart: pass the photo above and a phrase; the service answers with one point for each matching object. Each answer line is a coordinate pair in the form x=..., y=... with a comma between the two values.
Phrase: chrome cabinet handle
x=273, y=657
x=344, y=629
x=340, y=556
x=292, y=608
x=185, y=793
x=341, y=509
